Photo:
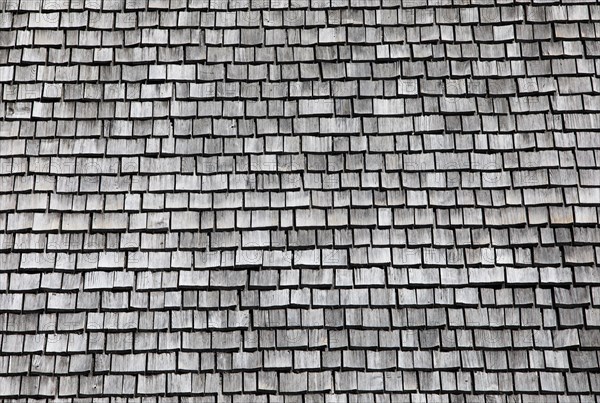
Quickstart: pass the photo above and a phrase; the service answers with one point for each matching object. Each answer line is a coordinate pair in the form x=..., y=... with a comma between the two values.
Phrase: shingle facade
x=300, y=200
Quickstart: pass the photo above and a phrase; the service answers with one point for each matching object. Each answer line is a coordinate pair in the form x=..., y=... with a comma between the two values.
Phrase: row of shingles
x=155, y=49
x=299, y=281
x=82, y=387
x=345, y=42
x=384, y=12
x=394, y=393
x=222, y=148
x=461, y=382
x=302, y=349
x=377, y=382
x=200, y=384
x=410, y=395
x=354, y=360
x=577, y=382
x=300, y=382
